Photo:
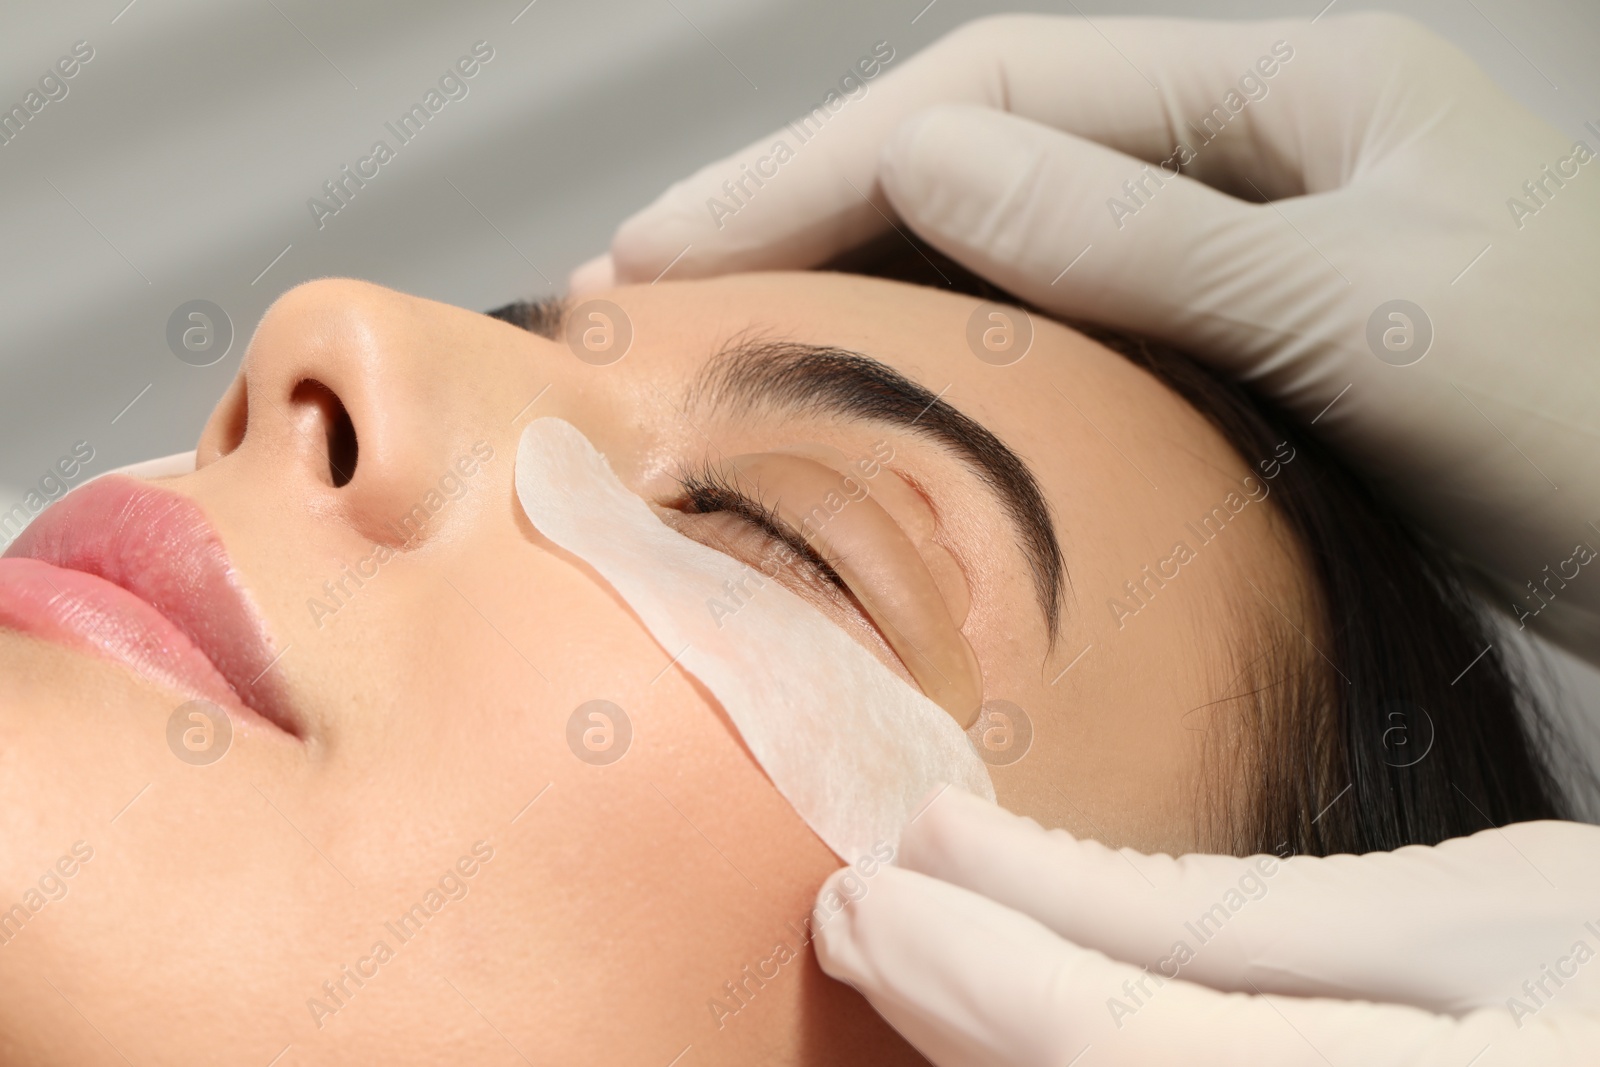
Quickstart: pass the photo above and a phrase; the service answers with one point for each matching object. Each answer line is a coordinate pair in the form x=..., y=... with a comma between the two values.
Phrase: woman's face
x=572, y=910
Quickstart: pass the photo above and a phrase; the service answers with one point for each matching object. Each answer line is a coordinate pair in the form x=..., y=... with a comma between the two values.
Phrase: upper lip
x=159, y=546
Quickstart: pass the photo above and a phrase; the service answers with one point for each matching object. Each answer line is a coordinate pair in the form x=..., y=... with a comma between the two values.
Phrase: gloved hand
x=996, y=942
x=1040, y=152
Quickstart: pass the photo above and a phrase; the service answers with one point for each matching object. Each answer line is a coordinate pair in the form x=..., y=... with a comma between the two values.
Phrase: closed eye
x=883, y=581
x=708, y=490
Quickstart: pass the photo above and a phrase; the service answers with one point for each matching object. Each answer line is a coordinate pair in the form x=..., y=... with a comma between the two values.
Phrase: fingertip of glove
x=592, y=276
x=831, y=919
x=656, y=238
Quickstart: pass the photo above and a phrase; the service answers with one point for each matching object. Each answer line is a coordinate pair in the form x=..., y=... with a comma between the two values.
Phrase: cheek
x=664, y=842
x=1115, y=753
x=1117, y=747
x=568, y=673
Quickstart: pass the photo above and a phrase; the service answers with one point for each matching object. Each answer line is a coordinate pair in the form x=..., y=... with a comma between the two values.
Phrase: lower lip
x=91, y=615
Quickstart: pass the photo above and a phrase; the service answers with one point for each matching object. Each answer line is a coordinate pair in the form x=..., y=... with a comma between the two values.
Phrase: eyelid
x=883, y=568
x=709, y=490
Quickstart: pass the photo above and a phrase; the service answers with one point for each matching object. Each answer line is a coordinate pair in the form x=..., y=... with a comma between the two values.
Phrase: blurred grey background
x=179, y=164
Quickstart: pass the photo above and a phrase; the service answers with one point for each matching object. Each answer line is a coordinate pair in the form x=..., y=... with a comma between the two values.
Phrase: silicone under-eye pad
x=851, y=746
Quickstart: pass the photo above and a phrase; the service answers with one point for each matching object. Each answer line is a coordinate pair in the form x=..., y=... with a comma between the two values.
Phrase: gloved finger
x=1085, y=231
x=968, y=981
x=1449, y=928
x=807, y=191
x=591, y=276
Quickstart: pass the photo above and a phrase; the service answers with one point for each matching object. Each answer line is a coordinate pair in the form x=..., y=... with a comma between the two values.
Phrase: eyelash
x=707, y=489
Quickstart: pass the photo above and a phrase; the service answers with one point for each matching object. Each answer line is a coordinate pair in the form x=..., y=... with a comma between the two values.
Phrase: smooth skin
x=219, y=899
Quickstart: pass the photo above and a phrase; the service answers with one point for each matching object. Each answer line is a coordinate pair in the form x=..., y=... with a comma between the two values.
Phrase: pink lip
x=123, y=570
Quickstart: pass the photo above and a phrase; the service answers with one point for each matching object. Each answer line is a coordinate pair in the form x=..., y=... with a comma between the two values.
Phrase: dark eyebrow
x=836, y=382
x=543, y=316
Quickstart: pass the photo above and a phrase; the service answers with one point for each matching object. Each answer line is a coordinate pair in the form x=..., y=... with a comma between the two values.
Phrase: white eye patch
x=851, y=746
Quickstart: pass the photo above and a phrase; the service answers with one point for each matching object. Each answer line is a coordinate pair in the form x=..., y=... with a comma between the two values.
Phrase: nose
x=356, y=397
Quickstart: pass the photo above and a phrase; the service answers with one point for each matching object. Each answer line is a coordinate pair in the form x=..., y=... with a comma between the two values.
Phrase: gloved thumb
x=1085, y=231
x=1384, y=926
x=971, y=982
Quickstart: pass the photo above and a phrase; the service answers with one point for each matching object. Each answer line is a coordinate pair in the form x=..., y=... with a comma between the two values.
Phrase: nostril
x=330, y=417
x=342, y=448
x=235, y=411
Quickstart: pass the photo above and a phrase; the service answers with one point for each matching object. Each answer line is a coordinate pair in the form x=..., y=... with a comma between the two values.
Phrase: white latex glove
x=1029, y=947
x=1390, y=161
